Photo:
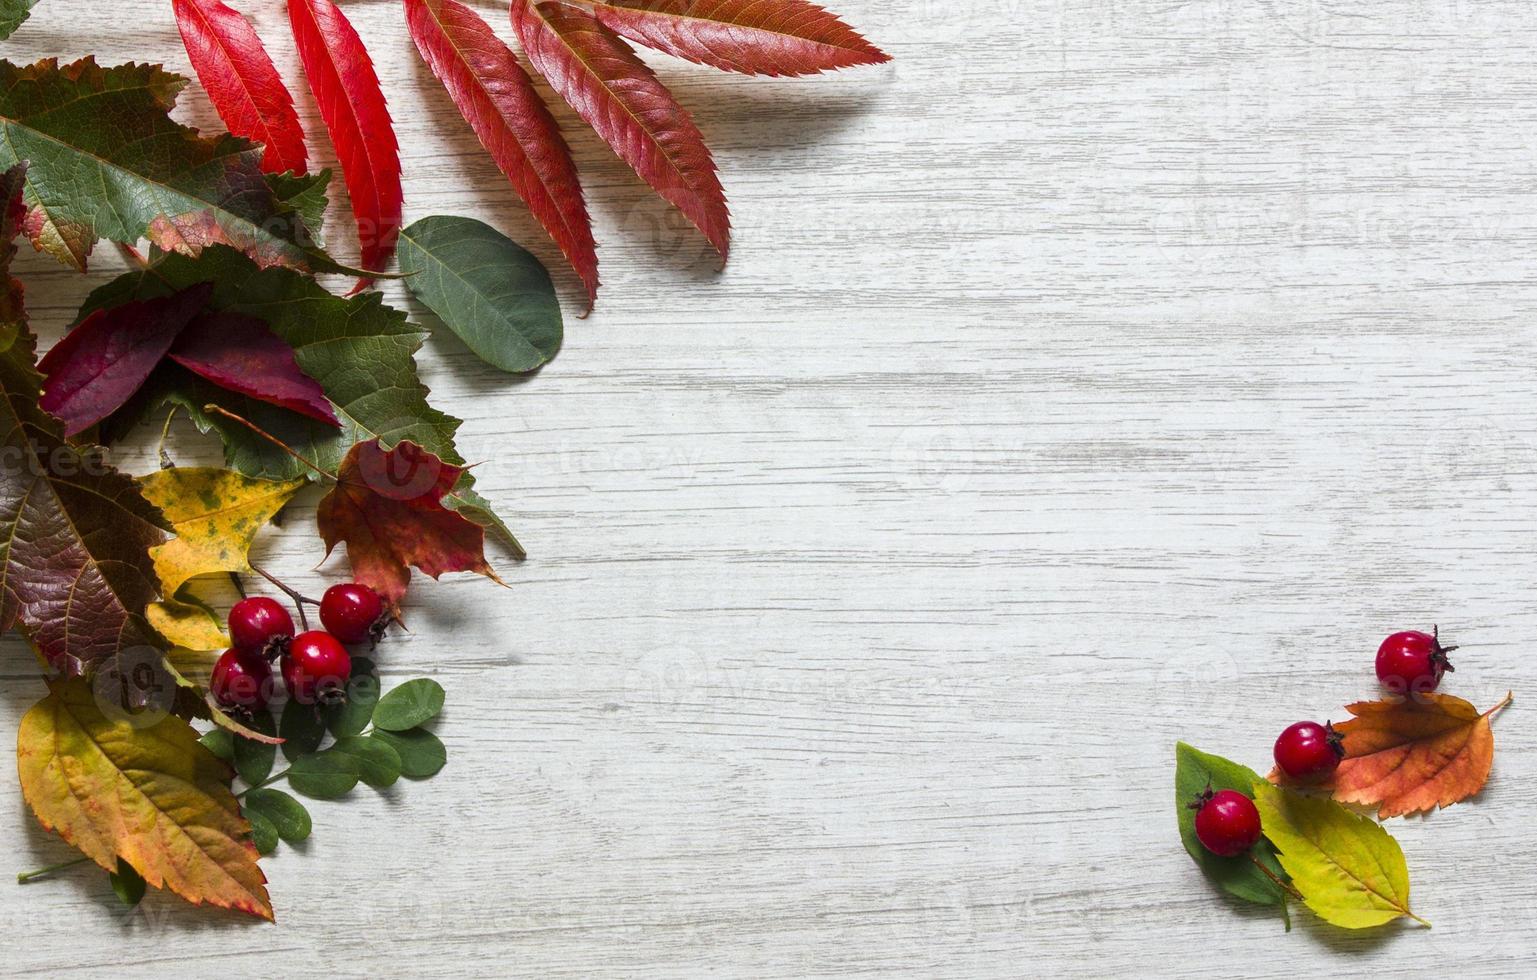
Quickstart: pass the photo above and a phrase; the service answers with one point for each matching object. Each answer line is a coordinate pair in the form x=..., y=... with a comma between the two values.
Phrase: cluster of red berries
x=1227, y=823
x=315, y=664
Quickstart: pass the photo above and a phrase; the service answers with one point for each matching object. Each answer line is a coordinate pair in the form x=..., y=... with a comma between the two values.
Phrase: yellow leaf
x=187, y=626
x=152, y=796
x=216, y=514
x=1346, y=867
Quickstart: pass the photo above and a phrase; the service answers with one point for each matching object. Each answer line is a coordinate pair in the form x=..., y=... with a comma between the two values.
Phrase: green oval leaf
x=287, y=815
x=1196, y=771
x=409, y=705
x=127, y=883
x=485, y=287
x=377, y=762
x=302, y=728
x=421, y=753
x=324, y=775
x=353, y=715
x=253, y=759
x=221, y=743
x=263, y=834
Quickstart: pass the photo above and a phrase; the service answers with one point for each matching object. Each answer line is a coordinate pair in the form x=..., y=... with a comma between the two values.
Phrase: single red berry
x=1412, y=662
x=1308, y=751
x=353, y=613
x=316, y=668
x=1226, y=822
x=260, y=626
x=241, y=680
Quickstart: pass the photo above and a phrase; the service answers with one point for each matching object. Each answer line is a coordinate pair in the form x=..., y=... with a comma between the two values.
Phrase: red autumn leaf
x=785, y=37
x=346, y=88
x=242, y=82
x=242, y=354
x=103, y=361
x=599, y=75
x=497, y=99
x=388, y=507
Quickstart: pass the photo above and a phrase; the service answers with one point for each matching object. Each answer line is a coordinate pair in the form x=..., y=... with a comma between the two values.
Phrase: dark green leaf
x=127, y=883
x=253, y=759
x=304, y=193
x=484, y=287
x=12, y=14
x=421, y=754
x=263, y=834
x=377, y=762
x=410, y=705
x=353, y=715
x=324, y=775
x=286, y=815
x=302, y=728
x=1195, y=772
x=221, y=743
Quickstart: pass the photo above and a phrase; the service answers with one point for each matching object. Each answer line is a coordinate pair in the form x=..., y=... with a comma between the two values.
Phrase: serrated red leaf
x=242, y=82
x=785, y=37
x=102, y=362
x=601, y=77
x=242, y=354
x=387, y=505
x=497, y=99
x=346, y=88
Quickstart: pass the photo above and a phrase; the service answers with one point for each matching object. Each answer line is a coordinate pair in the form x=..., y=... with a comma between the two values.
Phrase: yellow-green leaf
x=1347, y=868
x=186, y=626
x=149, y=794
x=216, y=514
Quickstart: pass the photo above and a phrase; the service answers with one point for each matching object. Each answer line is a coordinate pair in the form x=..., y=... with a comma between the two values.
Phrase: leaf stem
x=166, y=463
x=1510, y=696
x=218, y=410
x=299, y=598
x=25, y=877
x=1285, y=886
x=265, y=782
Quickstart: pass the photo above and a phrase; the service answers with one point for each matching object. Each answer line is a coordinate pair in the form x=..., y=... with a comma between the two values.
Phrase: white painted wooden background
x=1093, y=376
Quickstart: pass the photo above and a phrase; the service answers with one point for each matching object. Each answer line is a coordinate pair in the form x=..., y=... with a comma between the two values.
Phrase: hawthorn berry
x=260, y=626
x=1411, y=662
x=353, y=613
x=1307, y=751
x=316, y=668
x=1226, y=822
x=241, y=681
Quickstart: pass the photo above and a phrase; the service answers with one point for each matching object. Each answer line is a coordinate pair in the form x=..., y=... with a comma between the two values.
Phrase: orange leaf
x=1414, y=755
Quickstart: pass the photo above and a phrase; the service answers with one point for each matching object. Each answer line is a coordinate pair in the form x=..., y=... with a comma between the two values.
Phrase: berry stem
x=27, y=876
x=299, y=598
x=1285, y=886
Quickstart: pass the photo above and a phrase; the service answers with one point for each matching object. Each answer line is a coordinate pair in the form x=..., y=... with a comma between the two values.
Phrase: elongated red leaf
x=595, y=71
x=242, y=82
x=785, y=37
x=346, y=89
x=102, y=362
x=497, y=99
x=240, y=353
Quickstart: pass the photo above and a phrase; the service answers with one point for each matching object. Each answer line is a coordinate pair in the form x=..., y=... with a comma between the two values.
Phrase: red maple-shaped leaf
x=242, y=354
x=346, y=88
x=601, y=77
x=242, y=82
x=754, y=37
x=387, y=505
x=103, y=361
x=497, y=99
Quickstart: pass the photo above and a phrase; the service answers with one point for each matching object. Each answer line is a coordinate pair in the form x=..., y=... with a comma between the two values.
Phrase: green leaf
x=485, y=287
x=127, y=883
x=302, y=728
x=1348, y=869
x=353, y=715
x=421, y=754
x=411, y=704
x=323, y=776
x=253, y=760
x=221, y=743
x=1195, y=772
x=305, y=193
x=107, y=161
x=12, y=14
x=286, y=815
x=263, y=834
x=377, y=763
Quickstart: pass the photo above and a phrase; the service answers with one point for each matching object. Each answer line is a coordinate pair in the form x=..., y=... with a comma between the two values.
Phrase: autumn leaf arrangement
x=1306, y=831
x=156, y=750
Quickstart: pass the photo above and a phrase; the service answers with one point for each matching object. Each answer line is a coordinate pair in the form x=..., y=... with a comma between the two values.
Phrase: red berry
x=1308, y=751
x=353, y=613
x=1226, y=822
x=316, y=668
x=1412, y=662
x=241, y=680
x=260, y=626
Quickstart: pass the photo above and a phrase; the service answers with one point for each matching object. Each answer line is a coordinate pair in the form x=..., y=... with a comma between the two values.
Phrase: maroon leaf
x=497, y=99
x=785, y=37
x=102, y=362
x=599, y=75
x=240, y=353
x=242, y=82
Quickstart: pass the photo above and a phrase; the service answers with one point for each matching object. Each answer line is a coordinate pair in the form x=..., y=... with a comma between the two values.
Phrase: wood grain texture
x=1092, y=376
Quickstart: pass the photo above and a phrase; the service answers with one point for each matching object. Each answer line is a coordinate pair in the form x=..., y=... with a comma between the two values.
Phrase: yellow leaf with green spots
x=187, y=626
x=216, y=514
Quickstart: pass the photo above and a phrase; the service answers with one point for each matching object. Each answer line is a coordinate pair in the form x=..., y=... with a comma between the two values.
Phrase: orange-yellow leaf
x=150, y=794
x=1414, y=755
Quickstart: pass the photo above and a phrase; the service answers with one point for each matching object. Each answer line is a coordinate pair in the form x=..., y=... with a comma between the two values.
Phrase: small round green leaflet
x=324, y=775
x=127, y=883
x=485, y=287
x=411, y=704
x=353, y=715
x=221, y=743
x=263, y=834
x=253, y=759
x=303, y=727
x=377, y=762
x=287, y=815
x=421, y=753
